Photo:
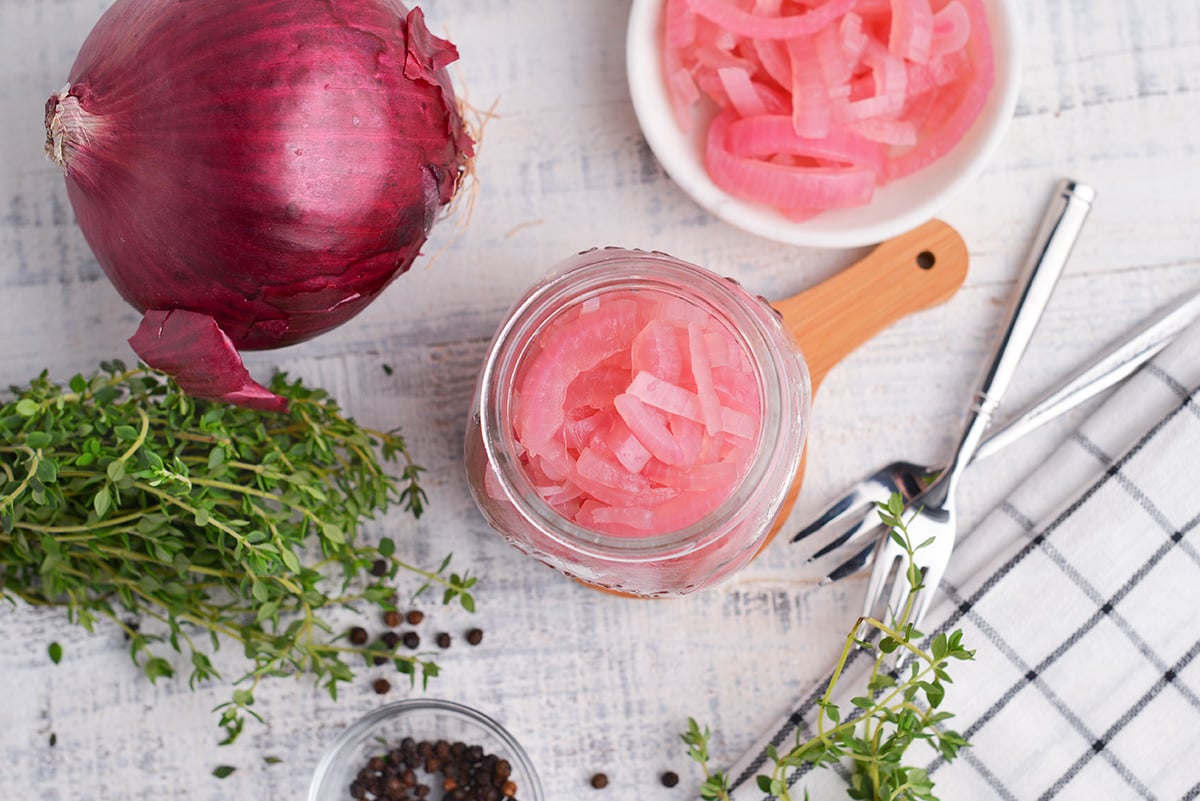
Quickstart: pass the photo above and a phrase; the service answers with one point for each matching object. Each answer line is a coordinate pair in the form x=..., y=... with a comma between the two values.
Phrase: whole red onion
x=252, y=173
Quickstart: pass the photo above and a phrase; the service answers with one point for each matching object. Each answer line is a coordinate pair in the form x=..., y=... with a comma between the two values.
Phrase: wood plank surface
x=587, y=682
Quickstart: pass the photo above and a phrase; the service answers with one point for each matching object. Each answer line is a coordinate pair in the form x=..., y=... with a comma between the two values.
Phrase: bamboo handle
x=910, y=272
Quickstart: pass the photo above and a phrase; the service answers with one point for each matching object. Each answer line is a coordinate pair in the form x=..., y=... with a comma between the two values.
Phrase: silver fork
x=934, y=520
x=851, y=515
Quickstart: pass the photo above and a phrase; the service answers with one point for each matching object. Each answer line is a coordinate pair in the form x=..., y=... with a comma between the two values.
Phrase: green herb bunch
x=899, y=707
x=187, y=523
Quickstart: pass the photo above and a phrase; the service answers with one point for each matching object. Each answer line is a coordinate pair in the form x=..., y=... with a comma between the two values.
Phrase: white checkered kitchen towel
x=1081, y=596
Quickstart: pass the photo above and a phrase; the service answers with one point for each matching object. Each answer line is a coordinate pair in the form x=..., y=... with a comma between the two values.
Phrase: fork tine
x=881, y=577
x=852, y=565
x=898, y=593
x=849, y=535
x=838, y=510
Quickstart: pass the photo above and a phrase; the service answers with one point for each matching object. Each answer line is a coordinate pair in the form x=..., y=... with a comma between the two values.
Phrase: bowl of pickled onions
x=824, y=123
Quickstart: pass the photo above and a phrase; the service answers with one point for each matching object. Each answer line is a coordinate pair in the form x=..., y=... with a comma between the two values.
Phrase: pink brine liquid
x=634, y=413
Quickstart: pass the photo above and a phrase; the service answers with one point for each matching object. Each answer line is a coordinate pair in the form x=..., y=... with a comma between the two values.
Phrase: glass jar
x=698, y=554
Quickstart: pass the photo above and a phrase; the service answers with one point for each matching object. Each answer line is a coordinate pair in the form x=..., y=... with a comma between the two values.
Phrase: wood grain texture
x=906, y=274
x=1110, y=96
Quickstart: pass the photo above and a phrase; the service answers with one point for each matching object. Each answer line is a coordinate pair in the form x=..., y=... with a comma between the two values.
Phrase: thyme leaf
x=187, y=524
x=897, y=708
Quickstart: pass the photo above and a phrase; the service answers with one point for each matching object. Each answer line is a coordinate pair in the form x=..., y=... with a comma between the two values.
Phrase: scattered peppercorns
x=475, y=636
x=443, y=640
x=600, y=781
x=670, y=778
x=392, y=618
x=463, y=772
x=359, y=636
x=382, y=686
x=414, y=617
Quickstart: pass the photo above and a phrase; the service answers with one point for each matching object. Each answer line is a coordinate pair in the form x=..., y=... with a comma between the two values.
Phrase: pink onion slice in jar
x=651, y=425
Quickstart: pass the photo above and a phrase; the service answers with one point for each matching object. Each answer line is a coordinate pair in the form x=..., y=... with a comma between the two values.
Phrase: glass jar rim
x=754, y=323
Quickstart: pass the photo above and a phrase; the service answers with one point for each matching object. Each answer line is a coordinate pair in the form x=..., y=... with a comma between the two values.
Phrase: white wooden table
x=589, y=682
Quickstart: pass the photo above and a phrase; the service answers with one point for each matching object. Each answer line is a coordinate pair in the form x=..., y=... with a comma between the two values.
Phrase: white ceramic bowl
x=383, y=729
x=896, y=207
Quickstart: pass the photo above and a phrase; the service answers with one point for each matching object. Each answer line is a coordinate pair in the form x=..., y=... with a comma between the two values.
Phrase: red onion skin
x=274, y=164
x=192, y=348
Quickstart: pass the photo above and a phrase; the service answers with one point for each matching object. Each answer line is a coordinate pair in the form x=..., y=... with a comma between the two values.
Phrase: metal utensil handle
x=1107, y=370
x=1056, y=236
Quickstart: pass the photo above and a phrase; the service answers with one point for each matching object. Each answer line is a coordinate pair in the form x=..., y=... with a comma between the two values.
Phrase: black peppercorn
x=600, y=781
x=390, y=639
x=382, y=686
x=411, y=640
x=670, y=778
x=379, y=568
x=463, y=772
x=443, y=640
x=475, y=636
x=358, y=635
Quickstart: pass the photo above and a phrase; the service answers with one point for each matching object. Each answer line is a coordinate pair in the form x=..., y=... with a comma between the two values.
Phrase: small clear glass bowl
x=381, y=730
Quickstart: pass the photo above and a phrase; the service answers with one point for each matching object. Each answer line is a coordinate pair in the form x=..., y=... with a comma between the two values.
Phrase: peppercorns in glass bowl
x=425, y=749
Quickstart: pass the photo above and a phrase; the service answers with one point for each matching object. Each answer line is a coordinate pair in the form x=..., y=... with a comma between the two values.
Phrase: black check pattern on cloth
x=1081, y=594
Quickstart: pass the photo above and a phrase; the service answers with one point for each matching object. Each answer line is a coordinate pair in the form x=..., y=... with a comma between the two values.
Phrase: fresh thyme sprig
x=899, y=707
x=187, y=523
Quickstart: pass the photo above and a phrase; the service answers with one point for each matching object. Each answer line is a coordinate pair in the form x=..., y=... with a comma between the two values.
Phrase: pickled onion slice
x=908, y=77
x=759, y=137
x=685, y=509
x=714, y=476
x=650, y=427
x=783, y=186
x=729, y=16
x=812, y=110
x=911, y=31
x=971, y=90
x=690, y=436
x=655, y=351
x=741, y=91
x=951, y=28
x=628, y=449
x=580, y=345
x=623, y=517
x=657, y=418
x=600, y=474
x=710, y=404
